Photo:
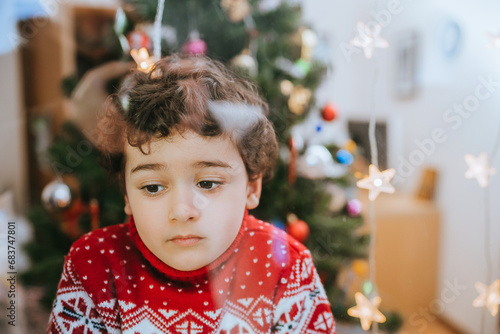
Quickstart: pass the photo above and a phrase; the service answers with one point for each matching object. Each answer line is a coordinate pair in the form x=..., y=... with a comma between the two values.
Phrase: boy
x=190, y=145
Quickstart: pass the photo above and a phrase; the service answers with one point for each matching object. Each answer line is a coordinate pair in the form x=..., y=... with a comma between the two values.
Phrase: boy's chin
x=188, y=266
x=188, y=263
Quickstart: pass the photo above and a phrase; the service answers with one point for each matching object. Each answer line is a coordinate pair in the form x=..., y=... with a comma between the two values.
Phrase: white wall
x=443, y=82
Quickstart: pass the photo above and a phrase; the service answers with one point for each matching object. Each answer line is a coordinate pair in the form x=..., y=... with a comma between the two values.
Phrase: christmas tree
x=311, y=194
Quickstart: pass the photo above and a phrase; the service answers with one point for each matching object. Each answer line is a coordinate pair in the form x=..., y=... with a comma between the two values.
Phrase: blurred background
x=422, y=78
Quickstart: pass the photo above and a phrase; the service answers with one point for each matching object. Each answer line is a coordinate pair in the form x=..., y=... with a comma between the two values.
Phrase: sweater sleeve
x=73, y=310
x=301, y=305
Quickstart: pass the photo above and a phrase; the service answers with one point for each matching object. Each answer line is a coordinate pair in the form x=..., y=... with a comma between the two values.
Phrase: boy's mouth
x=186, y=240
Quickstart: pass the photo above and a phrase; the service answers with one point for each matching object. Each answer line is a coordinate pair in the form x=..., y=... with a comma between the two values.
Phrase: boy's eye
x=152, y=189
x=208, y=184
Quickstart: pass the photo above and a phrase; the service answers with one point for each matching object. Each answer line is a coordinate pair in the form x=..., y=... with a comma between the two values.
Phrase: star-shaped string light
x=377, y=182
x=143, y=60
x=493, y=41
x=479, y=168
x=368, y=39
x=366, y=310
x=489, y=296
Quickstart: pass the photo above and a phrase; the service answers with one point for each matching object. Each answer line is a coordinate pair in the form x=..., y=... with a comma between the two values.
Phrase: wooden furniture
x=406, y=250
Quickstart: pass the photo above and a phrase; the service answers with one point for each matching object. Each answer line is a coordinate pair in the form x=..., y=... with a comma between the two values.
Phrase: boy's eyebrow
x=198, y=164
x=154, y=167
x=212, y=163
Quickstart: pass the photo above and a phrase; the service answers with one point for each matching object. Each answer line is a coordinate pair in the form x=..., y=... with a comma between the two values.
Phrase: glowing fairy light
x=489, y=296
x=377, y=182
x=366, y=310
x=479, y=168
x=368, y=39
x=143, y=60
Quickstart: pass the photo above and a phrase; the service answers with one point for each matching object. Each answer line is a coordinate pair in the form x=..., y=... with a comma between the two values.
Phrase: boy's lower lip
x=186, y=241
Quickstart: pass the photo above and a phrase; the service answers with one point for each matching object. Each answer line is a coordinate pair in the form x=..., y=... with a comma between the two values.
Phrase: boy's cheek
x=200, y=201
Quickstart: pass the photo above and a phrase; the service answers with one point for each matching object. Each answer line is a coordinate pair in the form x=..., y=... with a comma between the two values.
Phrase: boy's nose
x=184, y=207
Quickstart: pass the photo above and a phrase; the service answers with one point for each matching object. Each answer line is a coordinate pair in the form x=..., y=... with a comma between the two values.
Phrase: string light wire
x=157, y=30
x=374, y=161
x=487, y=228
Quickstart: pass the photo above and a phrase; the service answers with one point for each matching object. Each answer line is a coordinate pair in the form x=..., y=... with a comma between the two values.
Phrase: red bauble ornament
x=329, y=112
x=298, y=229
x=138, y=39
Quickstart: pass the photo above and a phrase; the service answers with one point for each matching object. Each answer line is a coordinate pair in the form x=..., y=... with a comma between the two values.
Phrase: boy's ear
x=127, y=209
x=254, y=189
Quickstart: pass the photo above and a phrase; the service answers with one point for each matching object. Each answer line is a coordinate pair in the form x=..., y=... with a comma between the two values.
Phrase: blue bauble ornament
x=344, y=157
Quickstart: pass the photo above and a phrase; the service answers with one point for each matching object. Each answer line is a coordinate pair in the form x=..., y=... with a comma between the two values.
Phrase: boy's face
x=188, y=197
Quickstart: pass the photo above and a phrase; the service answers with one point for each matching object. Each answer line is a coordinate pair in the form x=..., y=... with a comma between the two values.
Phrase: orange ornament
x=360, y=267
x=329, y=112
x=297, y=228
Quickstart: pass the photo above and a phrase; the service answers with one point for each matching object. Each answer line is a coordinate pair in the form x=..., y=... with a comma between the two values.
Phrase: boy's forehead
x=199, y=151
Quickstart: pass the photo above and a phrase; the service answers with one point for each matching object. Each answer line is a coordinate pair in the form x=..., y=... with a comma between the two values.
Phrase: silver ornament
x=245, y=63
x=56, y=196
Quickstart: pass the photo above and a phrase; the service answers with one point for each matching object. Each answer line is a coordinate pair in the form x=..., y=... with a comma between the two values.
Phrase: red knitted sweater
x=264, y=283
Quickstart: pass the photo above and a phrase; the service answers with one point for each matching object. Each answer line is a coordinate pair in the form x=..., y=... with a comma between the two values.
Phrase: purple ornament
x=354, y=207
x=195, y=45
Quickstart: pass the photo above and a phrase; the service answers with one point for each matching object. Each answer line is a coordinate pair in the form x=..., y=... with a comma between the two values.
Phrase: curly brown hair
x=179, y=93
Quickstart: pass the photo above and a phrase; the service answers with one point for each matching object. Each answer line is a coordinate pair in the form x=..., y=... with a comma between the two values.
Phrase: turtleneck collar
x=193, y=276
